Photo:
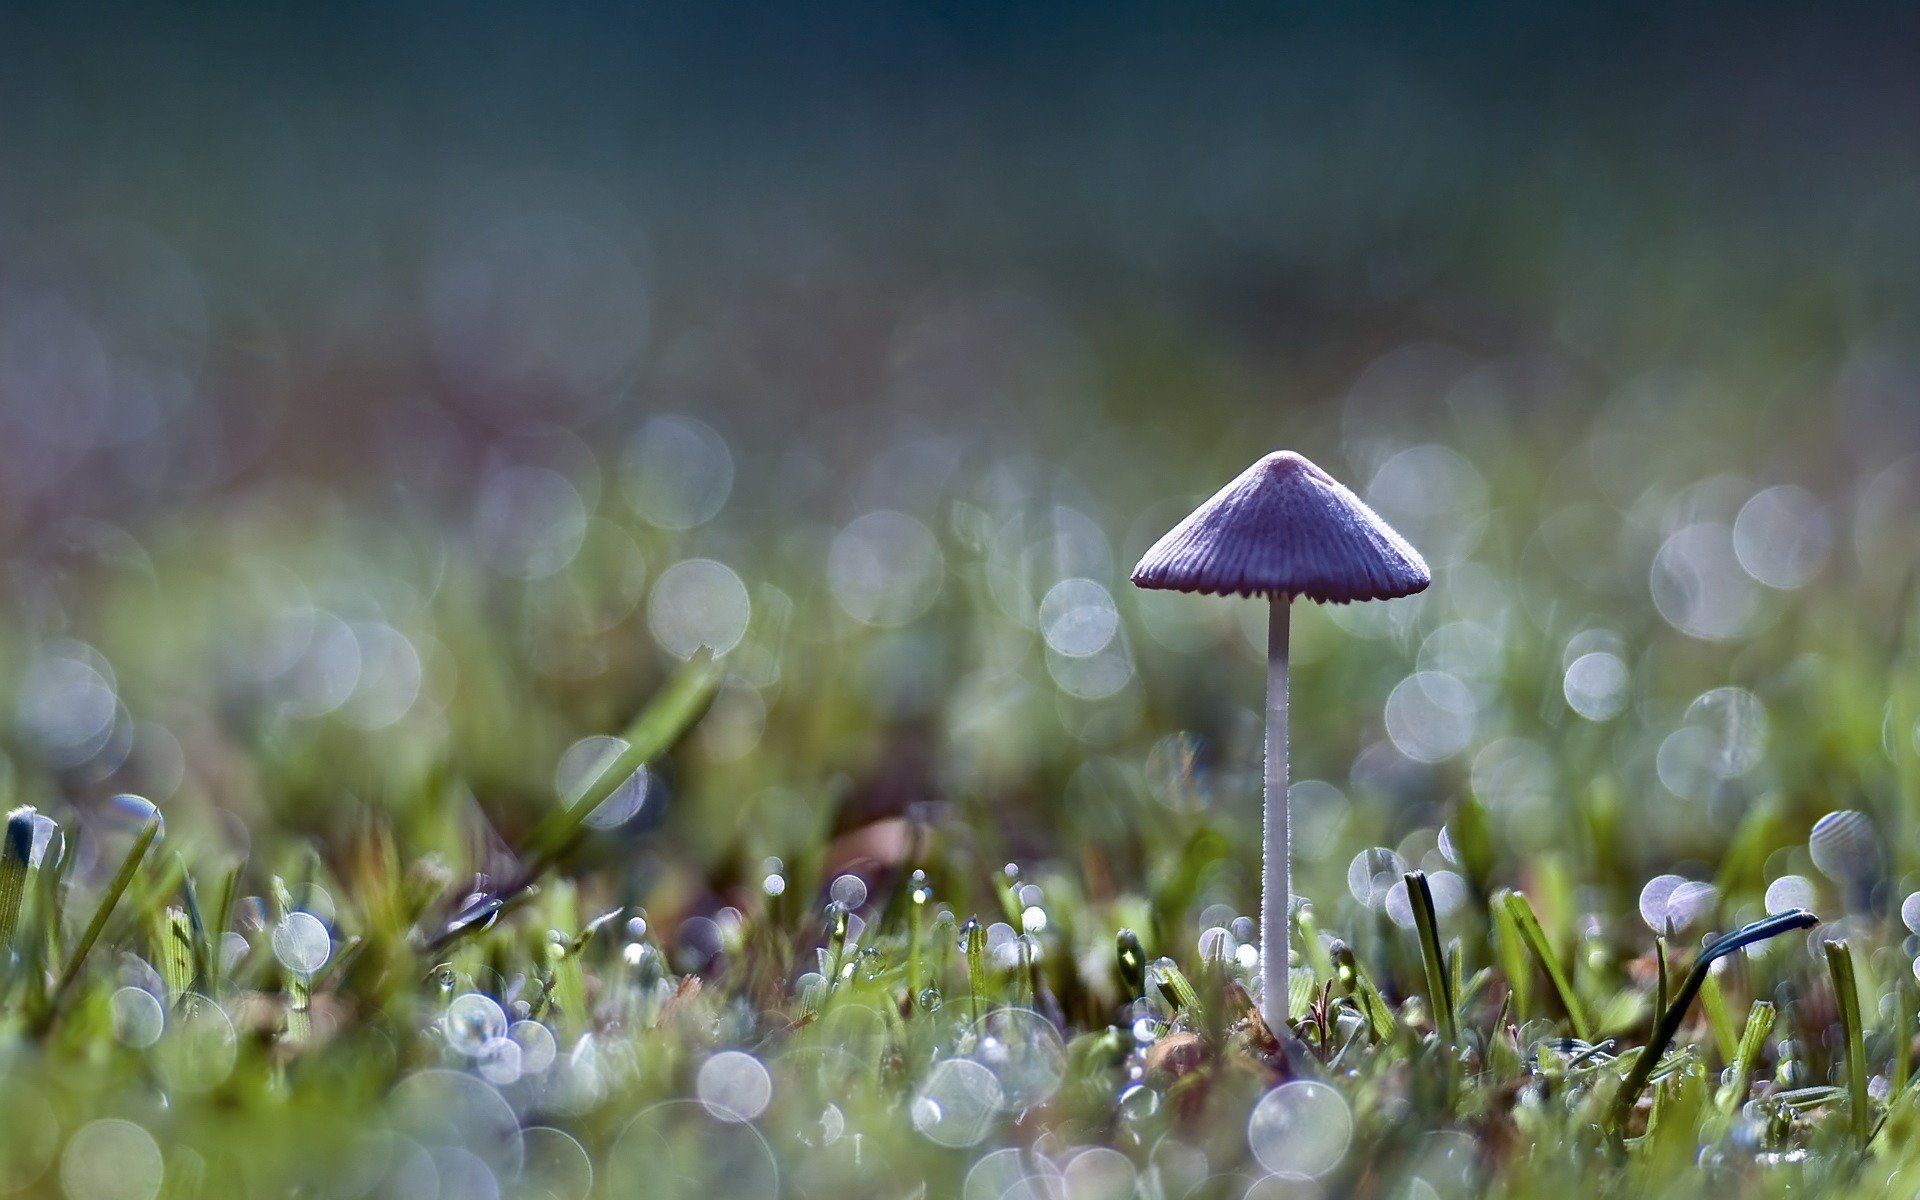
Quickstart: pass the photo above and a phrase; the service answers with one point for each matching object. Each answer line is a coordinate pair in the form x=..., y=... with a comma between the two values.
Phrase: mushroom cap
x=1285, y=528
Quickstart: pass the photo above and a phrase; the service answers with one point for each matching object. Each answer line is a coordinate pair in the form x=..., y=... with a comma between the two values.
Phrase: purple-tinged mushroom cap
x=1285, y=528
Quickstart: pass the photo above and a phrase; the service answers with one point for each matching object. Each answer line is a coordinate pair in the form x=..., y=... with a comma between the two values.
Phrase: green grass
x=913, y=911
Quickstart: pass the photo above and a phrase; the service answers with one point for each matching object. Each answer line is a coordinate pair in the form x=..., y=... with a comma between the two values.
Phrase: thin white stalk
x=1276, y=880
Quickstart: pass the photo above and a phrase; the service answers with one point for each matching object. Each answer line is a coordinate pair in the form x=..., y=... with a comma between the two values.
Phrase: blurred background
x=390, y=394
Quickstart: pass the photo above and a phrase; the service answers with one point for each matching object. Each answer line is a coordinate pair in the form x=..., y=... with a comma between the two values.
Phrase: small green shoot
x=1846, y=998
x=1753, y=1043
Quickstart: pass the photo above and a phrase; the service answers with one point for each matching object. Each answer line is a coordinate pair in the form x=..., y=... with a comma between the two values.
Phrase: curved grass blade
x=1535, y=939
x=1669, y=1024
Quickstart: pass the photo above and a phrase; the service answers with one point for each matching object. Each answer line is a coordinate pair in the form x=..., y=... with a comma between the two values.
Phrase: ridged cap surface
x=1285, y=527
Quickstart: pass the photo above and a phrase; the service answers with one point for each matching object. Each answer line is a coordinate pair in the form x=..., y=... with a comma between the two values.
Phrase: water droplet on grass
x=1007, y=1174
x=1699, y=586
x=31, y=1142
x=67, y=704
x=1138, y=1102
x=734, y=1085
x=583, y=764
x=389, y=679
x=1595, y=685
x=233, y=947
x=1216, y=942
x=1078, y=618
x=537, y=1045
x=1023, y=1051
x=885, y=568
x=698, y=602
x=464, y=1174
x=1673, y=901
x=677, y=472
x=957, y=1103
x=1781, y=536
x=111, y=1159
x=138, y=1018
x=440, y=1108
x=1430, y=716
x=498, y=1061
x=1797, y=891
x=198, y=1050
x=44, y=831
x=302, y=943
x=1373, y=873
x=471, y=1020
x=1300, y=1128
x=557, y=1166
x=849, y=891
x=529, y=522
x=1099, y=1173
x=680, y=1150
x=1845, y=845
x=130, y=814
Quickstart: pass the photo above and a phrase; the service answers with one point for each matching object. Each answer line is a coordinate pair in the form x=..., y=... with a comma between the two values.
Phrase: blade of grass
x=1311, y=947
x=1360, y=990
x=1535, y=939
x=1669, y=1023
x=16, y=854
x=976, y=935
x=1432, y=955
x=664, y=721
x=916, y=936
x=1753, y=1040
x=109, y=900
x=173, y=952
x=1719, y=1020
x=1846, y=996
x=1663, y=984
x=1175, y=988
x=1902, y=1068
x=203, y=948
x=1511, y=951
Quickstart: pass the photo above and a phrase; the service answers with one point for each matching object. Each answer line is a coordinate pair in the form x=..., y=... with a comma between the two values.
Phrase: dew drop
x=301, y=943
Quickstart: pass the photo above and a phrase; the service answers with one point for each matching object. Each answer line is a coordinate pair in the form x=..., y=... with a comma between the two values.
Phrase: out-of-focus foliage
x=376, y=444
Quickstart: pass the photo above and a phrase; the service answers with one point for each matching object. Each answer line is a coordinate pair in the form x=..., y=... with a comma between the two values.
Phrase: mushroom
x=1284, y=528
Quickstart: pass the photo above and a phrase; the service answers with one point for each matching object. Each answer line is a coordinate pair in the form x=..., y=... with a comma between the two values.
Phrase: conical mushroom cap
x=1285, y=528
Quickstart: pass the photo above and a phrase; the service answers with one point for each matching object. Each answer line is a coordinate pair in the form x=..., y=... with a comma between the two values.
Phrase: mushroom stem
x=1275, y=862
